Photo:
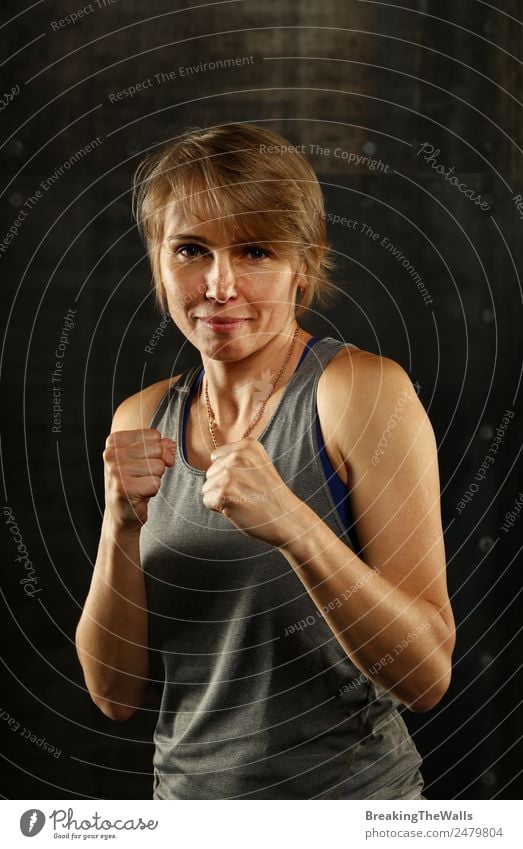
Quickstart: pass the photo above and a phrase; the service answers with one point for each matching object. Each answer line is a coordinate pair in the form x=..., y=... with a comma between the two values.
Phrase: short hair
x=251, y=180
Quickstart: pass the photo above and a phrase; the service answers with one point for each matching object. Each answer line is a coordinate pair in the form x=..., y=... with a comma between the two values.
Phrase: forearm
x=111, y=637
x=398, y=641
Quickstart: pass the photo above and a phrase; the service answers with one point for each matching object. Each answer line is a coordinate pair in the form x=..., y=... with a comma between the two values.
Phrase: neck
x=235, y=388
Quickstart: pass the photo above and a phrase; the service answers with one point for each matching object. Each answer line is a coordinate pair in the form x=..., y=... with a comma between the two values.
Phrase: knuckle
x=155, y=450
x=121, y=489
x=123, y=481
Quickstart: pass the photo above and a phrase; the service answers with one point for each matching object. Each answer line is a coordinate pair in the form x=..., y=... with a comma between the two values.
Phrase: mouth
x=221, y=324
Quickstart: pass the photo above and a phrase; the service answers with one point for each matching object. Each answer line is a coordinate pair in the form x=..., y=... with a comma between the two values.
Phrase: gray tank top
x=258, y=698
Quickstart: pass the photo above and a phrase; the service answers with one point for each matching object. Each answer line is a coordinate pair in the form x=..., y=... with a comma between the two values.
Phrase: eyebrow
x=192, y=236
x=181, y=236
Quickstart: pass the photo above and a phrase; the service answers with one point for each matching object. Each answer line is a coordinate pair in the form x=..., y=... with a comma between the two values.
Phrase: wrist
x=119, y=530
x=299, y=519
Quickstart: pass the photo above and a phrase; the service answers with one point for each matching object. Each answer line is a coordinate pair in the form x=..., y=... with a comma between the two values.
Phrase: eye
x=190, y=251
x=257, y=253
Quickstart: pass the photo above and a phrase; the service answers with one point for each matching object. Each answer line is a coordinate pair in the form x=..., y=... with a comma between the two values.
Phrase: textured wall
x=82, y=101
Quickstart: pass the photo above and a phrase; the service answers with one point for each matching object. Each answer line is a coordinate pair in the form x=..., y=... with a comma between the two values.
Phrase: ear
x=299, y=274
x=300, y=281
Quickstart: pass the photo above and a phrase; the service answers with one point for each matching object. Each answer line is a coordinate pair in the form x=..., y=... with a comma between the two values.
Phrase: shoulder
x=355, y=375
x=364, y=393
x=136, y=411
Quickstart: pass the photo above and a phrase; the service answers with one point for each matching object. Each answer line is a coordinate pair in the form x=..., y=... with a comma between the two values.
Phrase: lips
x=222, y=325
x=216, y=320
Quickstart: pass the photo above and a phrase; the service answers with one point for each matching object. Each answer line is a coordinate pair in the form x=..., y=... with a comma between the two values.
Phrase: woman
x=271, y=554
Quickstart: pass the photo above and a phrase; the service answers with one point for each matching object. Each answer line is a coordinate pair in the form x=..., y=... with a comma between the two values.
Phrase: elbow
x=431, y=695
x=119, y=705
x=423, y=704
x=116, y=699
x=429, y=698
x=114, y=710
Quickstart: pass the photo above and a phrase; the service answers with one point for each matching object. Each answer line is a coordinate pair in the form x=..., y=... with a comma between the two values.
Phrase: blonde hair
x=254, y=183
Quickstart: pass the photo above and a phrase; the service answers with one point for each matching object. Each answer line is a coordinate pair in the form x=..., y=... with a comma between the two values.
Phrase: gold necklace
x=210, y=412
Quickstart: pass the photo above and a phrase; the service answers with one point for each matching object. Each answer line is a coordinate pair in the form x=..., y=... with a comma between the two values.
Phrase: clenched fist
x=134, y=462
x=243, y=485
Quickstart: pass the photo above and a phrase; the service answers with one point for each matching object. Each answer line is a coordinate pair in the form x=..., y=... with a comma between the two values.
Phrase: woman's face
x=206, y=276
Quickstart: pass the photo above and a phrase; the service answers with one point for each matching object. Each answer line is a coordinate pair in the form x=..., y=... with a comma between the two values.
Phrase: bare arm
x=111, y=636
x=390, y=611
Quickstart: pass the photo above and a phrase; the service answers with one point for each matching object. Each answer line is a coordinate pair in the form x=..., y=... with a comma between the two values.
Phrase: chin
x=225, y=349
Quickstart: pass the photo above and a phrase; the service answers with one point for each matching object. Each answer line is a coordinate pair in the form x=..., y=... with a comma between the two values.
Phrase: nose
x=220, y=278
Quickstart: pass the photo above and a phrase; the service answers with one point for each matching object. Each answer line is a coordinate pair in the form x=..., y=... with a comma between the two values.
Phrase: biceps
x=396, y=508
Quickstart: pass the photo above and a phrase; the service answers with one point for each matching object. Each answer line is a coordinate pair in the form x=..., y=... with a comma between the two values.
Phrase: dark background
x=366, y=77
